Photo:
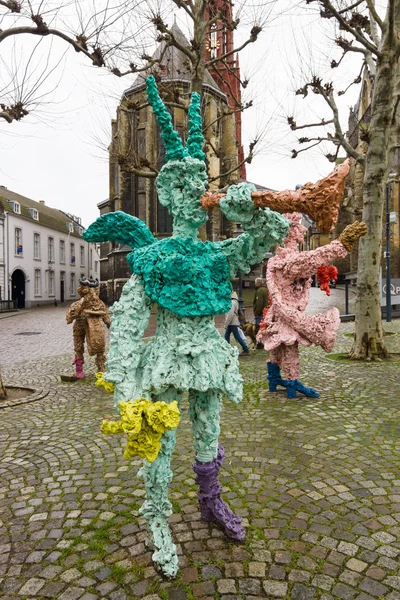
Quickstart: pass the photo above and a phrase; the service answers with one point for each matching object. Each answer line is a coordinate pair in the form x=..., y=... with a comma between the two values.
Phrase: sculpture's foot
x=212, y=507
x=294, y=385
x=160, y=540
x=79, y=362
x=274, y=377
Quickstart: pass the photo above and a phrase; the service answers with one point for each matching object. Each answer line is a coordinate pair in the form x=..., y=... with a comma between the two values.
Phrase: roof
x=49, y=217
x=258, y=186
x=176, y=63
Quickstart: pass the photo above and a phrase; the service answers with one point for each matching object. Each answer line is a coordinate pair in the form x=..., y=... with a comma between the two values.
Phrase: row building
x=42, y=253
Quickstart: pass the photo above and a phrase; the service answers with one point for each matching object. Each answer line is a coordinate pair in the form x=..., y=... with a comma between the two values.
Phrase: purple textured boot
x=212, y=507
x=79, y=362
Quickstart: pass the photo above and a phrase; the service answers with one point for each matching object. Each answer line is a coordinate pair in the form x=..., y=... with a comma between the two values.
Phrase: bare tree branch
x=345, y=25
x=374, y=14
x=256, y=30
x=96, y=56
x=294, y=126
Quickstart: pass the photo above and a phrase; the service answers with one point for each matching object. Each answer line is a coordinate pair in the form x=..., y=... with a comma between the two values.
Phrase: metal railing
x=6, y=305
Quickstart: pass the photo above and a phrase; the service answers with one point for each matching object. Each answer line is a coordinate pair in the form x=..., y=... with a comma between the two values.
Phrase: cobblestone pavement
x=317, y=482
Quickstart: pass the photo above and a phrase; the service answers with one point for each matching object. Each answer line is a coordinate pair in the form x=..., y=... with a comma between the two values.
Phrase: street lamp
x=391, y=217
x=236, y=233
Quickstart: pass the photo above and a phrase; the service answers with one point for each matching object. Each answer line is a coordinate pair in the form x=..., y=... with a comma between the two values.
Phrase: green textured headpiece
x=173, y=143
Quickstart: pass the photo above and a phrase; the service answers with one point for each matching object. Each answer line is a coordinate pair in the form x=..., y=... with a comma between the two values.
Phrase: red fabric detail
x=324, y=275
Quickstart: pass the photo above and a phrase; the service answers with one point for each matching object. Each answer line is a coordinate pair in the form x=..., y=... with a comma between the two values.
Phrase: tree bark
x=3, y=393
x=368, y=338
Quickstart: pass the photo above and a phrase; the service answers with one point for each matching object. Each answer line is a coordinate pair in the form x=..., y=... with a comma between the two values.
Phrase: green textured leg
x=204, y=409
x=157, y=508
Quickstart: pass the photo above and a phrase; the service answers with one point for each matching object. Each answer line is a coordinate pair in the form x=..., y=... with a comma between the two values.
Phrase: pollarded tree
x=375, y=38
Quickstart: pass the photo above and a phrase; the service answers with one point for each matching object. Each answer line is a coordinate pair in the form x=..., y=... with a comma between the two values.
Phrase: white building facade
x=42, y=253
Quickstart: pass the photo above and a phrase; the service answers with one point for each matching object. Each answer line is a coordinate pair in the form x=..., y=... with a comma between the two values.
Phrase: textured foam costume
x=89, y=313
x=190, y=281
x=285, y=324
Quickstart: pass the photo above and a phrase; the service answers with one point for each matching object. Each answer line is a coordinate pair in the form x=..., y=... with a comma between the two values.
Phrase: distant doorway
x=62, y=286
x=18, y=288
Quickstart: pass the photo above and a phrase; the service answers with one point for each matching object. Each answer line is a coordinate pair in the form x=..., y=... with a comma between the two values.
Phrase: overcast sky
x=55, y=154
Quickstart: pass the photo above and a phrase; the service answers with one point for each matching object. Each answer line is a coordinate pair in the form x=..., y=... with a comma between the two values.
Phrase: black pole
x=388, y=288
x=346, y=283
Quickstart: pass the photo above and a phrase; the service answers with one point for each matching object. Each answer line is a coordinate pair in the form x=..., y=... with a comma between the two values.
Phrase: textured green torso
x=186, y=276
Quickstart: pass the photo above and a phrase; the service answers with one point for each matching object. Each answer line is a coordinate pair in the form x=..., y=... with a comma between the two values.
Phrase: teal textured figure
x=190, y=281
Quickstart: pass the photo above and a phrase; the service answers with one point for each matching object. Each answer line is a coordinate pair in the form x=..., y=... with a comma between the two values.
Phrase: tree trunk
x=3, y=393
x=368, y=338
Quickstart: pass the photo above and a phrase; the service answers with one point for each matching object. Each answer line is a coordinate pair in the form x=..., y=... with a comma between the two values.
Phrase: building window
x=62, y=251
x=82, y=255
x=72, y=253
x=73, y=289
x=38, y=283
x=34, y=213
x=18, y=241
x=50, y=248
x=16, y=208
x=51, y=282
x=36, y=246
x=91, y=259
x=96, y=266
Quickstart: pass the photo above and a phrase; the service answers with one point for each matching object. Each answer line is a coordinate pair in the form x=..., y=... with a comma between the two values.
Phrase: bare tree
x=376, y=40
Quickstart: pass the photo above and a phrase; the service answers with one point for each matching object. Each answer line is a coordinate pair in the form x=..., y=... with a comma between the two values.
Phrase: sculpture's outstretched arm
x=263, y=228
x=119, y=227
x=304, y=264
x=320, y=200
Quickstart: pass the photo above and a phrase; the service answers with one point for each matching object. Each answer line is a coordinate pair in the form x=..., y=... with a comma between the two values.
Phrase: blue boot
x=274, y=377
x=294, y=385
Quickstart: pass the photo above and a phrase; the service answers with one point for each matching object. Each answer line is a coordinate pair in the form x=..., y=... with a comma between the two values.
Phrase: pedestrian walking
x=232, y=325
x=260, y=301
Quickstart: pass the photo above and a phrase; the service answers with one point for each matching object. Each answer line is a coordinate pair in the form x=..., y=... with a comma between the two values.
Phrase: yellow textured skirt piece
x=144, y=422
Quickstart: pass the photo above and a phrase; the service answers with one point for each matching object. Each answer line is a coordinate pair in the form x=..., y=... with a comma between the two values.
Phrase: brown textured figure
x=319, y=200
x=89, y=313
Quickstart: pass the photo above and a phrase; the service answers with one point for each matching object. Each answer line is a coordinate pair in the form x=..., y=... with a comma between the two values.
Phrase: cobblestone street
x=317, y=482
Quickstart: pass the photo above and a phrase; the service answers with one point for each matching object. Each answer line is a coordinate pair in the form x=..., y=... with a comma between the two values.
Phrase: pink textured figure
x=286, y=324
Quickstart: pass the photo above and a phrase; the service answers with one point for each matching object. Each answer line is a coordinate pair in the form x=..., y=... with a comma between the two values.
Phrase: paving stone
x=249, y=586
x=356, y=565
x=323, y=582
x=393, y=581
x=276, y=589
x=226, y=586
x=302, y=592
x=32, y=587
x=374, y=588
x=72, y=593
x=190, y=574
x=211, y=572
x=203, y=589
x=52, y=589
x=343, y=591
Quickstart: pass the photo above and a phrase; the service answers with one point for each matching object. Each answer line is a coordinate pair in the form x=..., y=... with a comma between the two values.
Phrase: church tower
x=226, y=73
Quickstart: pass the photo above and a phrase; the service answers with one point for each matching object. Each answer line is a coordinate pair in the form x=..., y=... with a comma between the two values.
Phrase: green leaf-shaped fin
x=119, y=227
